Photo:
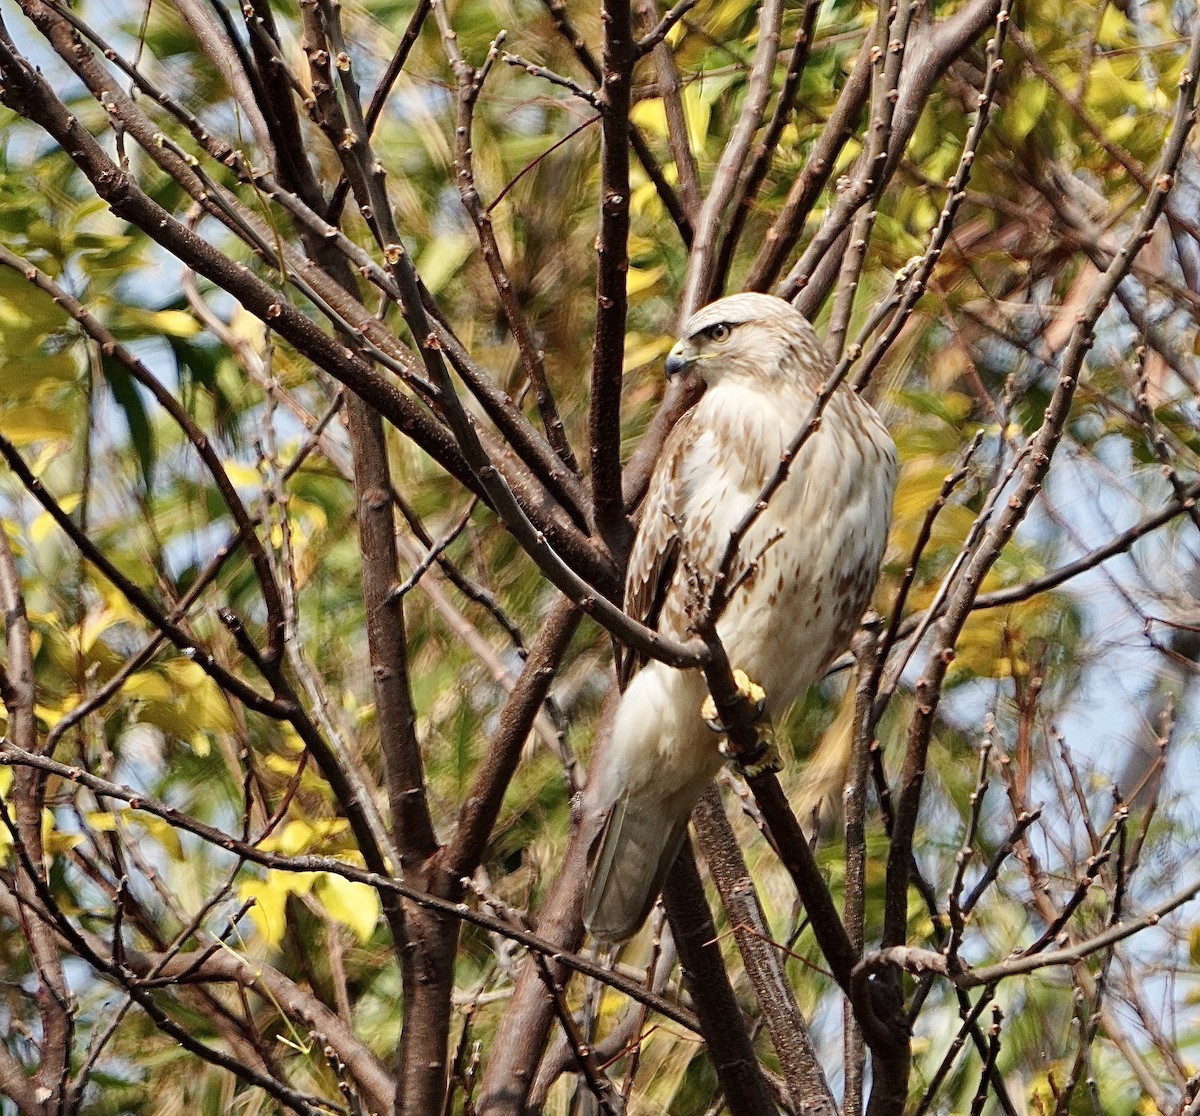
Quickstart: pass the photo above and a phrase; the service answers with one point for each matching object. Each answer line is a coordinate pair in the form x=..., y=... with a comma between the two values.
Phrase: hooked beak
x=678, y=360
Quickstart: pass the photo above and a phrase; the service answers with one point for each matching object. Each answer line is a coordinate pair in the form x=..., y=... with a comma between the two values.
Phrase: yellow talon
x=764, y=757
x=750, y=690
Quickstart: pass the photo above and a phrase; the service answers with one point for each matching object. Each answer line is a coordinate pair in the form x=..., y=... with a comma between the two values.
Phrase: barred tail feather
x=635, y=851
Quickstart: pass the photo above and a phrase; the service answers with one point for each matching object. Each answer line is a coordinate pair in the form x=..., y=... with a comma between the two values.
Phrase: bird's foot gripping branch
x=763, y=755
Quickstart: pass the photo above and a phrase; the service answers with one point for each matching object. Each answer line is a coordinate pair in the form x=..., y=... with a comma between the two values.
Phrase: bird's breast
x=807, y=566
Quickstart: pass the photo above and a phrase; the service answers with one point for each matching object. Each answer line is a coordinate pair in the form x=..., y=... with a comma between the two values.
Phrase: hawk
x=804, y=573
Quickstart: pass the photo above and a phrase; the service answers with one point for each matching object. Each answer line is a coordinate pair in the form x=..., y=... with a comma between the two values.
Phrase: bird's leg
x=764, y=756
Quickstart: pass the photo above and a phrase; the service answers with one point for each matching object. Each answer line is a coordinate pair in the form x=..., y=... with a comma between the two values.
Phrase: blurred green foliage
x=129, y=478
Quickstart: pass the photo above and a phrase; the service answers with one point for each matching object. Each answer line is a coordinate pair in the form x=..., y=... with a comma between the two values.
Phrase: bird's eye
x=720, y=332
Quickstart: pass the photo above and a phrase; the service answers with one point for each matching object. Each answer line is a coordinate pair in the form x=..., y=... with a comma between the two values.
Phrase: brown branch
x=763, y=152
x=17, y=1086
x=379, y=98
x=272, y=83
x=387, y=643
x=297, y=1003
x=738, y=1071
x=854, y=803
x=666, y=193
x=19, y=694
x=658, y=33
x=587, y=96
x=678, y=136
x=470, y=85
x=612, y=267
x=802, y=1071
x=1004, y=523
x=224, y=52
x=988, y=1072
x=521, y=1040
x=785, y=230
x=918, y=278
x=482, y=804
x=589, y=1067
x=700, y=283
x=930, y=55
x=199, y=441
x=888, y=58
x=884, y=63
x=15, y=757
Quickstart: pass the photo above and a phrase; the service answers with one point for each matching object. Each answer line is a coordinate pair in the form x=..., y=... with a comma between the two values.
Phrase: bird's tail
x=633, y=854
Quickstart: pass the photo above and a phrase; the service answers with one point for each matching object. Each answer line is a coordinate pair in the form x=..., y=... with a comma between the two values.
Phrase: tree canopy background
x=332, y=340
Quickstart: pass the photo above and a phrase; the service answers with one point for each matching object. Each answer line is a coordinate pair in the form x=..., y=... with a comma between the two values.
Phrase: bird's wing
x=655, y=553
x=629, y=866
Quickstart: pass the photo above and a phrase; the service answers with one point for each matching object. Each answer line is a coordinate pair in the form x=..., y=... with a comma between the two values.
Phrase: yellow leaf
x=921, y=482
x=281, y=765
x=353, y=904
x=1114, y=29
x=640, y=279
x=1122, y=128
x=644, y=200
x=311, y=515
x=162, y=831
x=301, y=836
x=726, y=15
x=199, y=743
x=650, y=116
x=44, y=524
x=103, y=821
x=204, y=704
x=1113, y=87
x=207, y=707
x=55, y=841
x=149, y=685
x=268, y=910
x=270, y=896
x=845, y=160
x=1026, y=107
x=295, y=837
x=34, y=423
x=6, y=778
x=242, y=476
x=639, y=351
x=443, y=259
x=173, y=323
x=697, y=111
x=95, y=624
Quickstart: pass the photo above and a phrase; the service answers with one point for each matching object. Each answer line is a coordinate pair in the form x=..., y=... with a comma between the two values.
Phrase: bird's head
x=754, y=335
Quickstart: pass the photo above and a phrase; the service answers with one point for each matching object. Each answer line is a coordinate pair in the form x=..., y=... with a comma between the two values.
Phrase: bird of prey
x=804, y=573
